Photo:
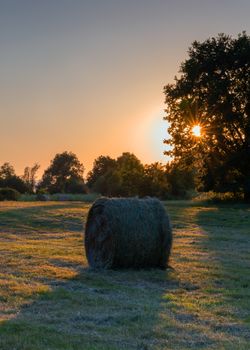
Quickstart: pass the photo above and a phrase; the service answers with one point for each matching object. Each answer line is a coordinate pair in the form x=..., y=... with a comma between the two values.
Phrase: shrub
x=42, y=197
x=9, y=194
x=217, y=197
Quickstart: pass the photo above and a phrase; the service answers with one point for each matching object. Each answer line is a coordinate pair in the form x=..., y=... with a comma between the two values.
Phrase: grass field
x=50, y=299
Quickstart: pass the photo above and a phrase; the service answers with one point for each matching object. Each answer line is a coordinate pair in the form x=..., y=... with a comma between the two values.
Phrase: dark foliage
x=9, y=194
x=181, y=180
x=75, y=185
x=65, y=174
x=127, y=177
x=9, y=179
x=213, y=90
x=120, y=177
x=102, y=166
x=41, y=197
x=155, y=183
x=129, y=172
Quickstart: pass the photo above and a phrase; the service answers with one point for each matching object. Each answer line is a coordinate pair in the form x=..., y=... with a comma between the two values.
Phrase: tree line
x=125, y=176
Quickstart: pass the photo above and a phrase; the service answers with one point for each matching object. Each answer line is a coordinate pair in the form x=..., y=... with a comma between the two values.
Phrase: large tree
x=213, y=91
x=64, y=175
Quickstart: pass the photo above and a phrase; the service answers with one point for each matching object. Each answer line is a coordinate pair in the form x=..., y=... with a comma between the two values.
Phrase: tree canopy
x=64, y=175
x=129, y=171
x=8, y=178
x=117, y=177
x=127, y=176
x=213, y=91
x=7, y=171
x=102, y=165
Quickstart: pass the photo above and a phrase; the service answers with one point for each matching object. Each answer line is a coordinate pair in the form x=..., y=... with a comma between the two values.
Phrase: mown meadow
x=51, y=299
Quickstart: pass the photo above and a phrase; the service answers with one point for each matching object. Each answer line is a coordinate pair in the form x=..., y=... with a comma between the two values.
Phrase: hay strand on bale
x=128, y=232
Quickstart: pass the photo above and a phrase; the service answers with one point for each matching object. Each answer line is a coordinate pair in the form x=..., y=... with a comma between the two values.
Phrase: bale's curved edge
x=128, y=232
x=98, y=237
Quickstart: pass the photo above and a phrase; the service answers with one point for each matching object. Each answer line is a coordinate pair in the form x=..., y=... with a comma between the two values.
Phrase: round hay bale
x=128, y=232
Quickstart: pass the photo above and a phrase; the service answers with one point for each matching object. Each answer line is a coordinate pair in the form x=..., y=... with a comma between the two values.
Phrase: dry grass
x=49, y=299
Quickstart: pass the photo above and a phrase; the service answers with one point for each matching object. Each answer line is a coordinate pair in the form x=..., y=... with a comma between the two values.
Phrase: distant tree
x=213, y=90
x=155, y=181
x=9, y=179
x=127, y=176
x=29, y=176
x=107, y=184
x=180, y=178
x=102, y=166
x=121, y=177
x=76, y=185
x=129, y=172
x=7, y=171
x=64, y=171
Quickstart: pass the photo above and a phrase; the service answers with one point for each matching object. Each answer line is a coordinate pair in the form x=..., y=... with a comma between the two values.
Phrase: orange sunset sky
x=88, y=76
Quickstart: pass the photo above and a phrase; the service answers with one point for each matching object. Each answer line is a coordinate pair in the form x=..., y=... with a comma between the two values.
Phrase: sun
x=196, y=130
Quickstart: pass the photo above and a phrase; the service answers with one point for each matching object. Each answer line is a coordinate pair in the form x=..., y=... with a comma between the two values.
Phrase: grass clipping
x=128, y=233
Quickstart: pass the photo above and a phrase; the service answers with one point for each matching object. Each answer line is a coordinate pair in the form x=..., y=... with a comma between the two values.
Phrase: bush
x=90, y=197
x=27, y=197
x=42, y=197
x=14, y=182
x=9, y=194
x=76, y=186
x=217, y=197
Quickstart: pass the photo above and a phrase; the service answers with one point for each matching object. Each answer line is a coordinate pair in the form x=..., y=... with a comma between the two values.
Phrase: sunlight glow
x=196, y=130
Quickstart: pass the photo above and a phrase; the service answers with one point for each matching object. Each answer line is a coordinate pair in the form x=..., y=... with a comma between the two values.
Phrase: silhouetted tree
x=213, y=90
x=180, y=179
x=8, y=179
x=129, y=172
x=102, y=166
x=107, y=184
x=121, y=177
x=127, y=176
x=63, y=174
x=7, y=171
x=29, y=176
x=155, y=181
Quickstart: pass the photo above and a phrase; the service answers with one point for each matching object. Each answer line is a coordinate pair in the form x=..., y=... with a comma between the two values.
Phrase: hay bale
x=124, y=233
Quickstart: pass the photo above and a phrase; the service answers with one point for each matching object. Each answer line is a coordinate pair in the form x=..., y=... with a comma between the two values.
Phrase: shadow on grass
x=52, y=217
x=228, y=245
x=104, y=310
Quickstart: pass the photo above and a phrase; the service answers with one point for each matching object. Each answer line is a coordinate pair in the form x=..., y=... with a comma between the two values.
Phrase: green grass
x=50, y=299
x=88, y=198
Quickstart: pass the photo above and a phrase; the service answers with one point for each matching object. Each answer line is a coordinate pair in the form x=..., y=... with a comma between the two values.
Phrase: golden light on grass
x=196, y=130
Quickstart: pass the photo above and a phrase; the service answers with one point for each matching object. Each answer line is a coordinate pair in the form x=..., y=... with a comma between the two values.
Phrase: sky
x=87, y=76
